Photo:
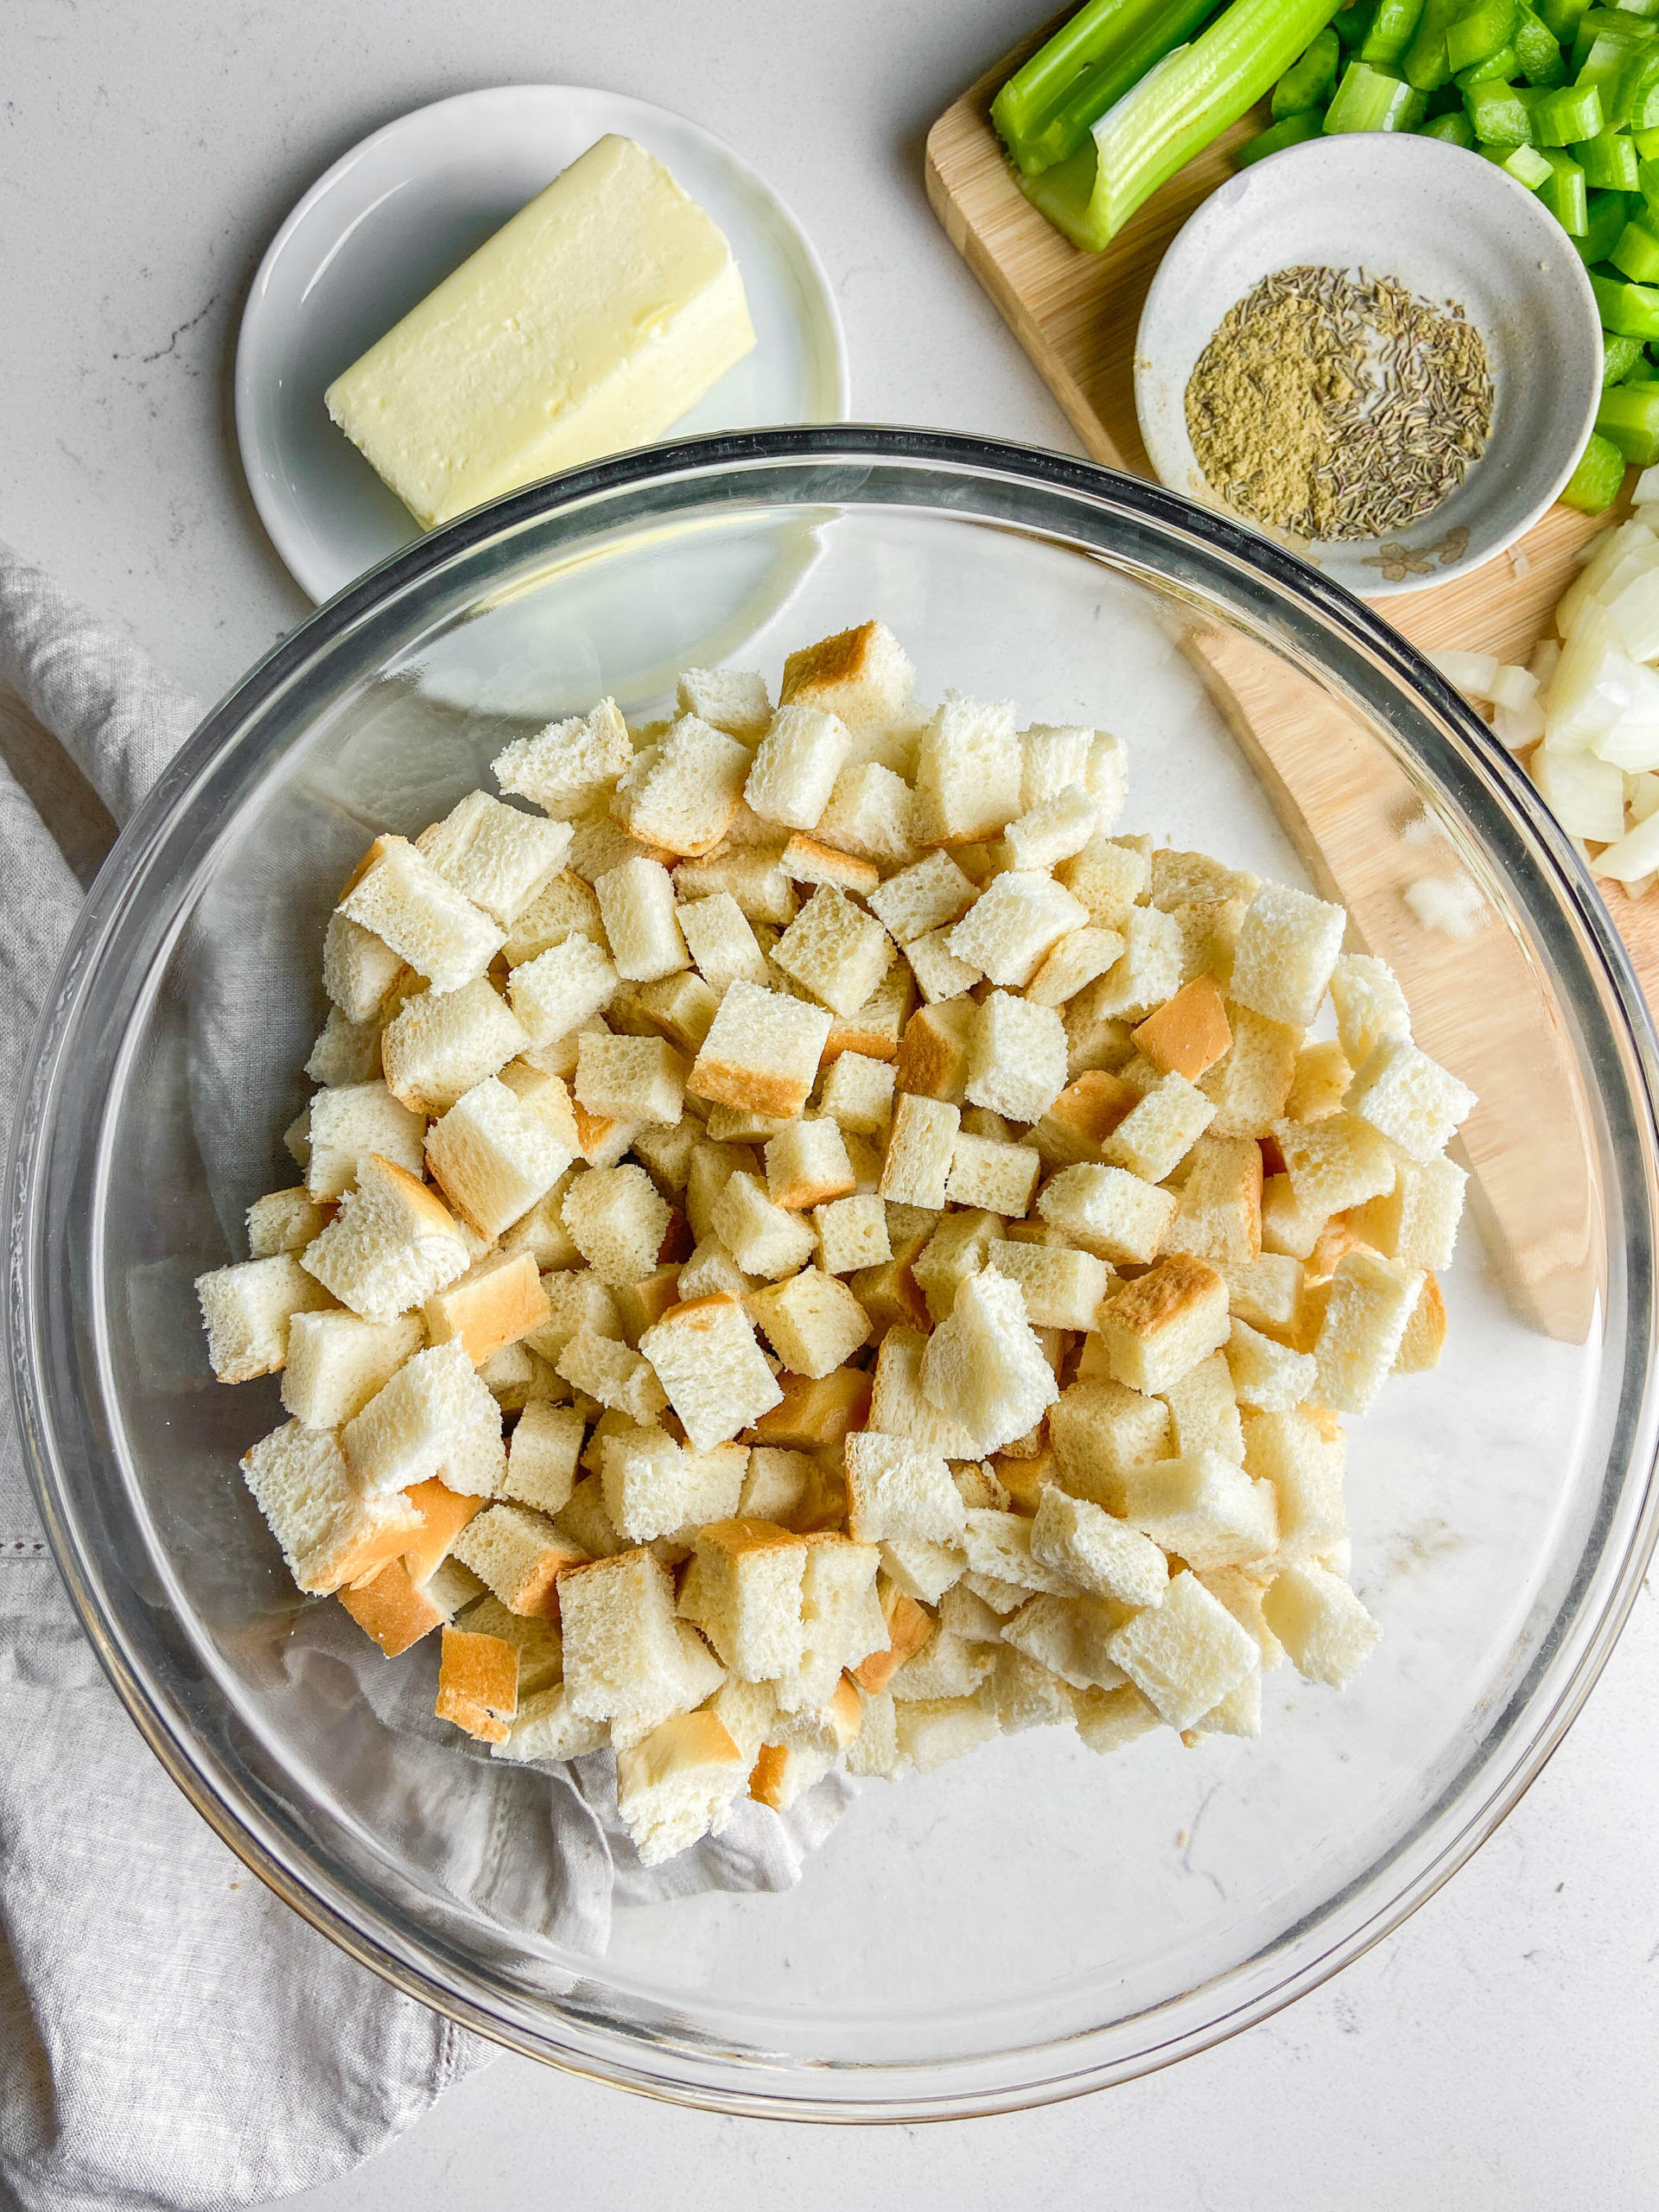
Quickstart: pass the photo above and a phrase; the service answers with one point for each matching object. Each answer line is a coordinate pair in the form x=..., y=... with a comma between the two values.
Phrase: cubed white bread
x=1016, y=1058
x=499, y=1300
x=496, y=857
x=722, y=942
x=743, y=1590
x=561, y=988
x=1148, y=970
x=622, y=1638
x=842, y=1626
x=750, y=875
x=1319, y=1083
x=897, y=1490
x=812, y=1322
x=604, y=1143
x=345, y=1051
x=916, y=1167
x=1061, y=1287
x=547, y=1728
x=984, y=1368
x=831, y=1724
x=1080, y=959
x=1409, y=1097
x=999, y=1177
x=617, y=1222
x=907, y=1626
x=969, y=771
x=835, y=950
x=1111, y=1720
x=857, y=1092
x=389, y=1247
x=1304, y=1459
x=1108, y=878
x=967, y=1615
x=439, y=1045
x=709, y=1362
x=1334, y=1164
x=1370, y=1302
x=569, y=765
x=1370, y=1006
x=872, y=814
x=1209, y=930
x=796, y=766
x=287, y=1221
x=748, y=1711
x=875, y=1027
x=1068, y=1638
x=930, y=895
x=520, y=1555
x=852, y=1234
x=1324, y=1627
x=1108, y=1211
x=807, y=1165
x=358, y=968
x=1287, y=1230
x=1093, y=1041
x=763, y=1238
x=336, y=1363
x=1288, y=946
x=817, y=1414
x=1417, y=1220
x=542, y=1233
x=1157, y=1135
x=677, y=1784
x=353, y=1120
x=998, y=1548
x=410, y=1430
x=1251, y=1081
x=1189, y=1032
x=778, y=1485
x=732, y=699
x=518, y=1378
x=1157, y=1327
x=782, y=1773
x=633, y=1079
x=957, y=1249
x=930, y=1731
x=762, y=1052
x=493, y=1155
x=565, y=908
x=1055, y=757
x=1266, y=1293
x=679, y=794
x=711, y=1271
x=1072, y=1131
x=391, y=1610
x=1425, y=1339
x=1186, y=1654
x=607, y=1370
x=1087, y=1546
x=1267, y=1376
x=655, y=1487
x=636, y=902
x=577, y=1299
x=584, y=1520
x=1014, y=924
x=922, y=1570
x=330, y=1530
x=863, y=674
x=542, y=1456
x=641, y=1305
x=898, y=1407
x=247, y=1310
x=932, y=1057
x=711, y=1168
x=683, y=1008
x=938, y=973
x=1053, y=829
x=1204, y=1508
x=478, y=1684
x=398, y=895
x=1101, y=1432
x=944, y=1667
x=1204, y=1411
x=533, y=1636
x=1220, y=1214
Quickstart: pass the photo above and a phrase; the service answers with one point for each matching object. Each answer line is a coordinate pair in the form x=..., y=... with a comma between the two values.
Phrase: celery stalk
x=1628, y=417
x=1045, y=110
x=1176, y=111
x=1480, y=30
x=1290, y=130
x=1598, y=480
x=1609, y=161
x=1372, y=99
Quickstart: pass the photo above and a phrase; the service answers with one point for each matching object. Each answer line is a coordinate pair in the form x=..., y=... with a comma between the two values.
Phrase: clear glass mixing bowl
x=1033, y=1921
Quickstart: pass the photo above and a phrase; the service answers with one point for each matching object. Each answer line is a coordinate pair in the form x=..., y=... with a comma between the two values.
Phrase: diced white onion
x=1474, y=674
x=1515, y=727
x=1647, y=486
x=1589, y=690
x=1633, y=607
x=1635, y=855
x=1641, y=796
x=1513, y=687
x=1544, y=658
x=1519, y=562
x=1631, y=745
x=1585, y=795
x=1587, y=552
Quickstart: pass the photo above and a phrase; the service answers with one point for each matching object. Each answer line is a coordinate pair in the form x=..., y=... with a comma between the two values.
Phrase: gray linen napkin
x=170, y=2035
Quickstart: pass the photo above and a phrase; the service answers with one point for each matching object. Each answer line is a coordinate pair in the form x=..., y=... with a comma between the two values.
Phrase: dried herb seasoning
x=1335, y=407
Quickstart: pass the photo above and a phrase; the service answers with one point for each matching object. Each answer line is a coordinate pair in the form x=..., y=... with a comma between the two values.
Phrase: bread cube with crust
x=398, y=895
x=969, y=771
x=842, y=1626
x=930, y=895
x=621, y=1636
x=1180, y=879
x=1251, y=1081
x=762, y=1052
x=1186, y=1654
x=907, y=1628
x=617, y=1222
x=336, y=1363
x=1267, y=1376
x=835, y=950
x=520, y=1555
x=359, y=970
x=807, y=1165
x=248, y=1310
x=493, y=1155
x=633, y=1079
x=933, y=1054
x=707, y=1360
x=1417, y=1220
x=811, y=1413
x=410, y=1431
x=1108, y=878
x=743, y=1590
x=677, y=1784
x=1109, y=1212
x=680, y=794
x=285, y=1221
x=1061, y=1287
x=439, y=1045
x=1304, y=1459
x=857, y=1093
x=897, y=1489
x=499, y=1300
x=1220, y=1212
x=764, y=1239
x=1072, y=1131
x=873, y=813
x=497, y=856
x=863, y=674
x=1319, y=1082
x=1370, y=1006
x=1014, y=924
x=796, y=766
x=1189, y=1032
x=1204, y=1412
x=944, y=1667
x=1425, y=1339
x=875, y=1027
x=732, y=699
x=1156, y=1328
x=636, y=902
x=1016, y=1058
x=547, y=1728
x=570, y=765
x=812, y=1322
x=1401, y=1092
x=561, y=988
x=389, y=1248
x=809, y=859
x=1157, y=1134
x=920, y=1146
x=1147, y=973
x=683, y=1008
x=1081, y=958
x=1087, y=1546
x=1334, y=1164
x=332, y=1531
x=984, y=1369
x=999, y=1177
x=1326, y=1628
x=542, y=1457
x=1371, y=1301
x=478, y=1684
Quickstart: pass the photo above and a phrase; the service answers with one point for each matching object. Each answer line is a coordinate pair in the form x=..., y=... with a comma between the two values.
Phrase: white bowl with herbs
x=1383, y=354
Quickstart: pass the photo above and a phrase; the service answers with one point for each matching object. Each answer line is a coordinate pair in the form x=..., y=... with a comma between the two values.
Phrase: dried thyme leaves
x=1331, y=408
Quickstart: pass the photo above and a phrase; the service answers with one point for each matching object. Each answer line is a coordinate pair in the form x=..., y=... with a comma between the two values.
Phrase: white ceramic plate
x=399, y=212
x=1450, y=226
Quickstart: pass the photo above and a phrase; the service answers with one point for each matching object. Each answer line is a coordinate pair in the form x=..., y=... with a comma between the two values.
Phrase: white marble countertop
x=1495, y=2051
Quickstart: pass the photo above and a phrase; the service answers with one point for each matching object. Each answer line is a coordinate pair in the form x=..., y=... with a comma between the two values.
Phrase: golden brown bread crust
x=812, y=1412
x=739, y=1536
x=492, y=1305
x=768, y=1773
x=446, y=1513
x=372, y=858
x=478, y=1684
x=816, y=675
x=1153, y=1302
x=388, y=1541
x=1425, y=1338
x=846, y=870
x=1084, y=1116
x=389, y=1608
x=756, y=1090
x=908, y=1630
x=1188, y=1034
x=932, y=1056
x=434, y=1217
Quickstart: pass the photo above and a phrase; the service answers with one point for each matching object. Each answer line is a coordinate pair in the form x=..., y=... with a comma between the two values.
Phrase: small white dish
x=1449, y=226
x=399, y=212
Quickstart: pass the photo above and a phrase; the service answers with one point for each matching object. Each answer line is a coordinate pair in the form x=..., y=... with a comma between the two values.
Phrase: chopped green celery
x=1569, y=115
x=1497, y=68
x=1308, y=80
x=1628, y=310
x=1647, y=8
x=1456, y=129
x=1393, y=27
x=1647, y=175
x=1352, y=25
x=1536, y=49
x=1608, y=214
x=1180, y=106
x=1628, y=417
x=1045, y=110
x=1524, y=163
x=1563, y=192
x=1636, y=250
x=1372, y=99
x=1609, y=160
x=1499, y=115
x=1479, y=29
x=1636, y=90
x=1647, y=144
x=1290, y=130
x=1598, y=480
x=1426, y=65
x=1618, y=357
x=1561, y=18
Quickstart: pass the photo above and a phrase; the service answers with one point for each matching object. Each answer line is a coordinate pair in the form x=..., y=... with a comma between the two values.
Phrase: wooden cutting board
x=1075, y=315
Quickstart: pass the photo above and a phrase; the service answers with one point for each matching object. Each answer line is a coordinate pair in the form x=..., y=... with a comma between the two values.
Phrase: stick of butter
x=588, y=323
